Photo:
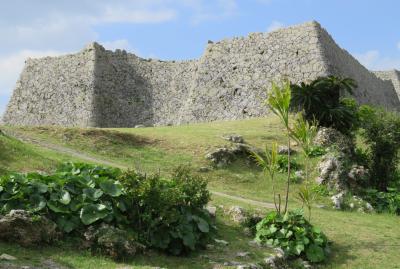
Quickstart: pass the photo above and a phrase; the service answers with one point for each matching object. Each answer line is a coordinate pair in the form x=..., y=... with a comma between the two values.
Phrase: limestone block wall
x=54, y=91
x=371, y=89
x=233, y=75
x=392, y=76
x=101, y=88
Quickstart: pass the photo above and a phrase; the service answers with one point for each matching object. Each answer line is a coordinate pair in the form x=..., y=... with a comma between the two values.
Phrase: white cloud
x=275, y=25
x=117, y=44
x=373, y=60
x=114, y=14
x=204, y=10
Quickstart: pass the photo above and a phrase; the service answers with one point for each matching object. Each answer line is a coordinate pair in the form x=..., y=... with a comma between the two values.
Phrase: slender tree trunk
x=288, y=178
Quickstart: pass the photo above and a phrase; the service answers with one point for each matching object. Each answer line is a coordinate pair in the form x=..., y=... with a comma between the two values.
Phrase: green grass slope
x=359, y=240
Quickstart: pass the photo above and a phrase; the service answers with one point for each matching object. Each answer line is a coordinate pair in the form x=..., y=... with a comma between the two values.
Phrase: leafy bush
x=316, y=151
x=384, y=201
x=321, y=101
x=282, y=163
x=381, y=132
x=321, y=189
x=165, y=214
x=294, y=234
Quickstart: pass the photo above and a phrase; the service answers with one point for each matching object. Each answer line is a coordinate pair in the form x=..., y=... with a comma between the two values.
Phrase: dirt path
x=86, y=157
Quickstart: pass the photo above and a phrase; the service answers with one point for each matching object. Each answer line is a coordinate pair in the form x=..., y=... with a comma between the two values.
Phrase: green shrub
x=381, y=132
x=316, y=151
x=166, y=214
x=294, y=234
x=282, y=163
x=384, y=201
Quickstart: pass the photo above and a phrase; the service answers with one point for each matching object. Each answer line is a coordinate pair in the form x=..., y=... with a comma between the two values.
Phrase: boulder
x=337, y=200
x=284, y=150
x=237, y=214
x=328, y=137
x=221, y=157
x=234, y=138
x=111, y=241
x=224, y=156
x=357, y=176
x=27, y=229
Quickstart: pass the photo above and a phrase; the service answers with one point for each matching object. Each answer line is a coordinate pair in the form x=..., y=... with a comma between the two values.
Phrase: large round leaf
x=203, y=225
x=111, y=187
x=37, y=202
x=92, y=193
x=92, y=213
x=57, y=208
x=189, y=240
x=315, y=253
x=65, y=197
x=68, y=223
x=40, y=187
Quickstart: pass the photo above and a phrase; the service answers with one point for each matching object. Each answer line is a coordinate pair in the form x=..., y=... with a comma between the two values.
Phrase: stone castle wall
x=54, y=91
x=392, y=76
x=102, y=88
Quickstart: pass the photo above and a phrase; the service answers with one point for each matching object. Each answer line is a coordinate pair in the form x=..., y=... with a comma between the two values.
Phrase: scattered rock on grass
x=221, y=242
x=285, y=150
x=212, y=210
x=238, y=214
x=6, y=257
x=337, y=200
x=243, y=254
x=235, y=138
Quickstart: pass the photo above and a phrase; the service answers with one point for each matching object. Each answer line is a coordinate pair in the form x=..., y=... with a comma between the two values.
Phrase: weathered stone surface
x=6, y=257
x=221, y=157
x=23, y=228
x=337, y=200
x=101, y=88
x=112, y=241
x=282, y=149
x=327, y=137
x=212, y=210
x=235, y=138
x=238, y=214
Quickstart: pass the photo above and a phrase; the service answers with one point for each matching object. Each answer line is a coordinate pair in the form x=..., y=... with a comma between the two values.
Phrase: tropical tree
x=279, y=102
x=321, y=100
x=304, y=132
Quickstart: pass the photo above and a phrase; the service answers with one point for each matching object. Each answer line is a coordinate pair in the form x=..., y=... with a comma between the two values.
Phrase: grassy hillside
x=359, y=240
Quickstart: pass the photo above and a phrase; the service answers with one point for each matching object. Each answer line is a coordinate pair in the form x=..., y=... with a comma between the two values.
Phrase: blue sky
x=180, y=29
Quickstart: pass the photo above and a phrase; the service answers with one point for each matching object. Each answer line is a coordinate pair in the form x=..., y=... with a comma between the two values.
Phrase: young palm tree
x=269, y=164
x=304, y=132
x=279, y=102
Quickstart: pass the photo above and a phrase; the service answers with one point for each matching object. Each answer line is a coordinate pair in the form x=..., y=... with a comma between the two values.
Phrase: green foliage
x=381, y=132
x=320, y=189
x=316, y=151
x=321, y=100
x=279, y=101
x=283, y=164
x=269, y=164
x=294, y=234
x=304, y=132
x=388, y=201
x=166, y=214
